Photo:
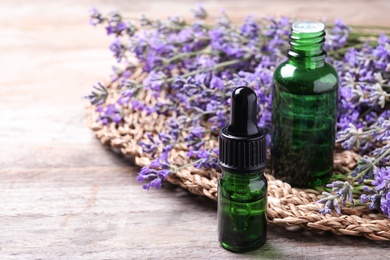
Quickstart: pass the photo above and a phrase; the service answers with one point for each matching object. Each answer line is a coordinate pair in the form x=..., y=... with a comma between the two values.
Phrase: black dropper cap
x=242, y=144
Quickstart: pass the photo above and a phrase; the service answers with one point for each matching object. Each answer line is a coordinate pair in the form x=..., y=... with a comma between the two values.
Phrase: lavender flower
x=385, y=204
x=115, y=25
x=161, y=162
x=199, y=12
x=277, y=33
x=365, y=169
x=158, y=171
x=330, y=202
x=383, y=154
x=99, y=96
x=382, y=53
x=337, y=36
x=95, y=17
x=206, y=158
x=375, y=201
x=383, y=133
x=217, y=83
x=155, y=82
x=348, y=137
x=191, y=70
x=111, y=114
x=382, y=178
x=377, y=97
x=251, y=28
x=342, y=190
x=118, y=49
x=174, y=128
x=150, y=147
x=155, y=177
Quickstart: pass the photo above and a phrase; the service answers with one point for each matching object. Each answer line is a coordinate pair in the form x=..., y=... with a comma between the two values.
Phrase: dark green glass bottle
x=242, y=189
x=304, y=110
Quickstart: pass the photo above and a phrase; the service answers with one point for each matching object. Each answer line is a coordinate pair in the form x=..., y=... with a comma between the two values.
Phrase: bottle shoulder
x=296, y=78
x=243, y=187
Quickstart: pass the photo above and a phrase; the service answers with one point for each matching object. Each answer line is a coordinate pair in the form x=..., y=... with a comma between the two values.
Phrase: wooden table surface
x=63, y=195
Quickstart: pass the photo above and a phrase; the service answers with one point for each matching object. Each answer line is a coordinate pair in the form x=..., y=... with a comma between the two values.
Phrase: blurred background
x=50, y=55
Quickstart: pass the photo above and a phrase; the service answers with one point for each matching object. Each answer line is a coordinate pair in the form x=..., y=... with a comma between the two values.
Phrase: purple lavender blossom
x=251, y=28
x=126, y=95
x=157, y=172
x=383, y=153
x=118, y=49
x=385, y=203
x=165, y=138
x=232, y=44
x=99, y=96
x=137, y=105
x=348, y=137
x=194, y=137
x=382, y=178
x=377, y=97
x=155, y=82
x=174, y=128
x=185, y=63
x=95, y=17
x=161, y=162
x=199, y=12
x=217, y=83
x=342, y=189
x=363, y=198
x=115, y=25
x=178, y=83
x=337, y=36
x=155, y=177
x=330, y=202
x=116, y=28
x=205, y=158
x=365, y=169
x=111, y=114
x=383, y=134
x=382, y=53
x=150, y=147
x=277, y=34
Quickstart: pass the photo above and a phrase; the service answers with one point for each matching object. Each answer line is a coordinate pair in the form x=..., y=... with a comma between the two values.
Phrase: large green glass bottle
x=242, y=188
x=304, y=110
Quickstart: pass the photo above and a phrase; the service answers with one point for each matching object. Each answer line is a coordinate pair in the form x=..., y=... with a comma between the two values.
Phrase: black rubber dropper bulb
x=242, y=188
x=243, y=113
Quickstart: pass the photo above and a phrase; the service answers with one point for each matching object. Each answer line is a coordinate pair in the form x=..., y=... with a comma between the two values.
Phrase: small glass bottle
x=242, y=189
x=304, y=110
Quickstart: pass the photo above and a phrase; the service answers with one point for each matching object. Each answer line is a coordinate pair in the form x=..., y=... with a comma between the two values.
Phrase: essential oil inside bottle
x=242, y=204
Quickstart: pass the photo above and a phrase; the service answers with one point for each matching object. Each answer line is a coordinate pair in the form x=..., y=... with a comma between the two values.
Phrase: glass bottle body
x=242, y=204
x=304, y=121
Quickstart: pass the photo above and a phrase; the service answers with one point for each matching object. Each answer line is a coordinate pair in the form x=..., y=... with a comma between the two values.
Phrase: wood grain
x=63, y=195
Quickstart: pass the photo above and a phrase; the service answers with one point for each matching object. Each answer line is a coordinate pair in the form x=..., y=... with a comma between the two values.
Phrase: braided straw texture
x=287, y=206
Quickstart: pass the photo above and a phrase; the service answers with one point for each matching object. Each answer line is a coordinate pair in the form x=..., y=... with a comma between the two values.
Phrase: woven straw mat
x=287, y=206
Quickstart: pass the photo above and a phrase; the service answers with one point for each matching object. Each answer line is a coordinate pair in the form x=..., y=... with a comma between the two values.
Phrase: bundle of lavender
x=191, y=68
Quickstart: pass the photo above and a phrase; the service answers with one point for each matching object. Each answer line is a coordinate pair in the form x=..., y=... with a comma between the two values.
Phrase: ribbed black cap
x=242, y=144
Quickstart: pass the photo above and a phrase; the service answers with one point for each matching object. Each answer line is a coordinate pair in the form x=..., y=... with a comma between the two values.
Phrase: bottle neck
x=307, y=49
